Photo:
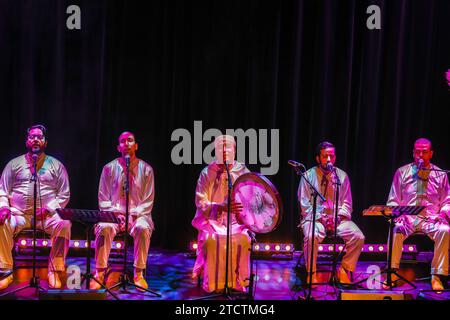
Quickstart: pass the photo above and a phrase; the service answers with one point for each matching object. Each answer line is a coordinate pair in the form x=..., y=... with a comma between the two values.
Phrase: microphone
x=420, y=164
x=330, y=166
x=127, y=160
x=295, y=164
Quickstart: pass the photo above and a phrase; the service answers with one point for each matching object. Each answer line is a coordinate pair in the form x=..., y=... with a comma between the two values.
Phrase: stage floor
x=169, y=273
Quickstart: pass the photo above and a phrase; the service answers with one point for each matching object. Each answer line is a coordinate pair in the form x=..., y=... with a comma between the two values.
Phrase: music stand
x=124, y=277
x=89, y=218
x=391, y=213
x=34, y=281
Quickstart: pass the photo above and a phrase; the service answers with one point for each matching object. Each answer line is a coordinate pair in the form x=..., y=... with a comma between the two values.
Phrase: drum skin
x=261, y=202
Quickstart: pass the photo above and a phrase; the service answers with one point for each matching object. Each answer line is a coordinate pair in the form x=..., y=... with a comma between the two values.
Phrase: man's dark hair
x=40, y=127
x=323, y=145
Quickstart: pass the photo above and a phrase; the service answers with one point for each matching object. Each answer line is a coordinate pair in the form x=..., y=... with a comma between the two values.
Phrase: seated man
x=414, y=185
x=211, y=222
x=111, y=197
x=17, y=204
x=322, y=177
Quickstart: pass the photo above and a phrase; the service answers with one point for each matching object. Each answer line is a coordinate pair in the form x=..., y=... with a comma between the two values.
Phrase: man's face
x=422, y=151
x=326, y=155
x=127, y=144
x=226, y=149
x=36, y=142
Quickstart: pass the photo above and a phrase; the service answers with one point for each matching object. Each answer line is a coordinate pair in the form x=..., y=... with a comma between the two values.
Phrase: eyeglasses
x=36, y=136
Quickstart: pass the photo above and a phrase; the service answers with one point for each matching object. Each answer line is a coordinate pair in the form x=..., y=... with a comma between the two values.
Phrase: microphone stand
x=316, y=194
x=34, y=281
x=337, y=183
x=252, y=276
x=227, y=292
x=124, y=277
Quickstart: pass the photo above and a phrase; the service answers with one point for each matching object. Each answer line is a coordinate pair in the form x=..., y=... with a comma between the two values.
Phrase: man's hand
x=5, y=214
x=121, y=218
x=235, y=207
x=42, y=213
x=400, y=225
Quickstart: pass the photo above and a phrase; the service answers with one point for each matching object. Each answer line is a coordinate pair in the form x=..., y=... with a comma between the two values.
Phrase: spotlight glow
x=288, y=248
x=44, y=243
x=277, y=247
x=370, y=248
x=194, y=246
x=76, y=244
x=267, y=247
x=23, y=242
x=118, y=245
x=257, y=247
x=380, y=248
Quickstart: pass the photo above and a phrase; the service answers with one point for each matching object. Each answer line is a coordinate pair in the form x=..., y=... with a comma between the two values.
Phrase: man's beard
x=36, y=150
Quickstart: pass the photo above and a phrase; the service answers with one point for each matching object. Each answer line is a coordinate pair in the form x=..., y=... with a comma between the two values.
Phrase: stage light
x=330, y=248
x=44, y=243
x=256, y=247
x=267, y=247
x=195, y=246
x=76, y=244
x=277, y=247
x=341, y=248
x=370, y=248
x=320, y=248
x=118, y=245
x=410, y=248
x=380, y=248
x=288, y=248
x=85, y=244
x=267, y=277
x=23, y=242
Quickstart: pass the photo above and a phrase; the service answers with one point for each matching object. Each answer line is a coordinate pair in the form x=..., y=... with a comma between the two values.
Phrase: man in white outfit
x=418, y=184
x=17, y=204
x=322, y=177
x=111, y=197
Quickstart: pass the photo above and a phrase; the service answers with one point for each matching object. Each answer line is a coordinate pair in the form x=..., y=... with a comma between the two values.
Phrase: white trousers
x=139, y=229
x=436, y=231
x=346, y=230
x=58, y=229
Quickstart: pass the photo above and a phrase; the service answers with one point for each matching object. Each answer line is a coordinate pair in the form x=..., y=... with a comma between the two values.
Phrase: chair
x=17, y=250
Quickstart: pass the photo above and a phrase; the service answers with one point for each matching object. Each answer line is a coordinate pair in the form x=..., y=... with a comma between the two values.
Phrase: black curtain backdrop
x=311, y=69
